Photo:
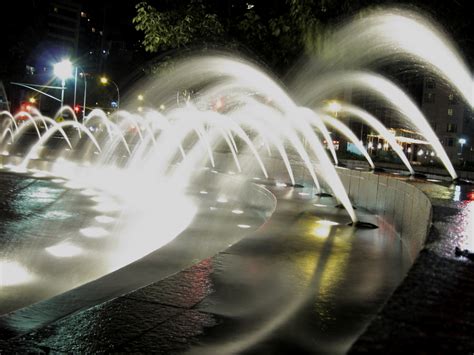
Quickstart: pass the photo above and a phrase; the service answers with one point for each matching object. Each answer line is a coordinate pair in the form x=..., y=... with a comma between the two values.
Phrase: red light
x=470, y=195
x=77, y=109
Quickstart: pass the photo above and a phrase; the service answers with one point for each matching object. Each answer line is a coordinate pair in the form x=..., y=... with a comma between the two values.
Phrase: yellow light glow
x=104, y=80
x=32, y=100
x=334, y=106
x=140, y=97
x=322, y=231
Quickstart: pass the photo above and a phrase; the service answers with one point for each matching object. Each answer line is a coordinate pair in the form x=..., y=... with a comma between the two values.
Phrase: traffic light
x=77, y=108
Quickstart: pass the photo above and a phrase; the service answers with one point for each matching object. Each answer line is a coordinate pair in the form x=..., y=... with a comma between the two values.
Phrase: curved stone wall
x=398, y=202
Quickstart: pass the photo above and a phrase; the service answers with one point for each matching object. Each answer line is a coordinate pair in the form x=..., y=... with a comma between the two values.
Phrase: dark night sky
x=454, y=16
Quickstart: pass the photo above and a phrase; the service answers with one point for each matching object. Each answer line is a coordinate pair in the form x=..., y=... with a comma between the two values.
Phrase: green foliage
x=176, y=28
x=278, y=34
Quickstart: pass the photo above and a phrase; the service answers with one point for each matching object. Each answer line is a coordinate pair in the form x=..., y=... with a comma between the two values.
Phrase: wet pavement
x=303, y=281
x=432, y=312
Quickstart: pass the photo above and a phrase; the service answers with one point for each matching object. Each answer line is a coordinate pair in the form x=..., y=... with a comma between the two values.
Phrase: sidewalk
x=259, y=295
x=432, y=312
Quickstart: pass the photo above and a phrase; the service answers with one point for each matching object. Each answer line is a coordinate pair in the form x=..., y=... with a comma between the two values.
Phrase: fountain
x=145, y=178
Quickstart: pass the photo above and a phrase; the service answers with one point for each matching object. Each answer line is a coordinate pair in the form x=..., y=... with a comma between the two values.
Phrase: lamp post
x=63, y=70
x=104, y=80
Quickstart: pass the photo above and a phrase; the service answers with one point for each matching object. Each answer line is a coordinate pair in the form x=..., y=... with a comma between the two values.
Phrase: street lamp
x=104, y=80
x=334, y=107
x=63, y=70
x=84, y=77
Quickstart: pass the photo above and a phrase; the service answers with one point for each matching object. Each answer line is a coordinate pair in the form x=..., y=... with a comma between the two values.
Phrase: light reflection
x=237, y=211
x=104, y=219
x=457, y=193
x=203, y=192
x=243, y=226
x=94, y=232
x=280, y=184
x=319, y=205
x=13, y=273
x=326, y=222
x=303, y=193
x=322, y=231
x=66, y=250
x=222, y=199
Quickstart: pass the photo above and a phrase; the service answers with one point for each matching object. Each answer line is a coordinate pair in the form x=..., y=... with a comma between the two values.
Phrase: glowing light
x=94, y=232
x=334, y=106
x=13, y=273
x=64, y=250
x=222, y=199
x=379, y=146
x=280, y=184
x=326, y=222
x=237, y=211
x=303, y=193
x=420, y=152
x=319, y=205
x=322, y=231
x=243, y=226
x=63, y=69
x=104, y=219
x=203, y=192
x=32, y=100
x=140, y=97
x=162, y=107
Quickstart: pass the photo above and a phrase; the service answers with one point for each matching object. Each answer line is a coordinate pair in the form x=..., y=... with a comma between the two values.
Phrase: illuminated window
x=451, y=128
x=429, y=97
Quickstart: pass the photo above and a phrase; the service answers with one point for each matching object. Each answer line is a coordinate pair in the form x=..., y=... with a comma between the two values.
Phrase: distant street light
x=334, y=107
x=83, y=74
x=63, y=70
x=104, y=80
